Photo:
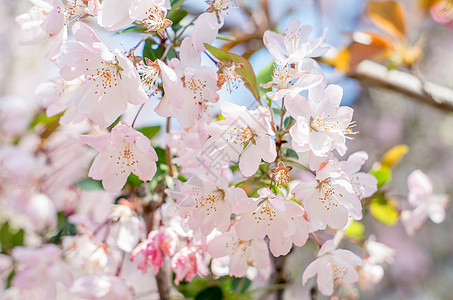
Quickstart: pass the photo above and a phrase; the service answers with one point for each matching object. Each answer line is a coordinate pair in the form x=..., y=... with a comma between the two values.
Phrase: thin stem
x=213, y=60
x=165, y=52
x=299, y=165
x=282, y=115
x=135, y=118
x=316, y=239
x=172, y=170
x=185, y=27
x=272, y=180
x=120, y=266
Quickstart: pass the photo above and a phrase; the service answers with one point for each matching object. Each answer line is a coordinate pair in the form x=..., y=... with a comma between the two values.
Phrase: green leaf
x=89, y=184
x=161, y=155
x=382, y=173
x=176, y=16
x=10, y=238
x=152, y=50
x=133, y=28
x=5, y=237
x=240, y=283
x=150, y=131
x=356, y=230
x=246, y=71
x=44, y=119
x=264, y=76
x=175, y=4
x=289, y=121
x=192, y=288
x=210, y=293
x=384, y=210
x=290, y=153
x=9, y=279
x=134, y=180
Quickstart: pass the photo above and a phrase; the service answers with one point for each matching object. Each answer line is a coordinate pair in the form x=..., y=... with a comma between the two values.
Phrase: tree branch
x=376, y=75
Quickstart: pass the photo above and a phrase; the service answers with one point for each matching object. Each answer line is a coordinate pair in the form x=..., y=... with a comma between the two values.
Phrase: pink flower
x=205, y=30
x=200, y=85
x=117, y=14
x=160, y=244
x=332, y=265
x=241, y=254
x=101, y=287
x=83, y=253
x=16, y=115
x=280, y=219
x=293, y=47
x=288, y=80
x=185, y=263
x=121, y=152
x=425, y=202
x=127, y=229
x=200, y=89
x=207, y=204
x=321, y=124
x=172, y=85
x=111, y=81
x=364, y=184
x=40, y=270
x=245, y=134
x=39, y=210
x=55, y=95
x=328, y=197
x=44, y=22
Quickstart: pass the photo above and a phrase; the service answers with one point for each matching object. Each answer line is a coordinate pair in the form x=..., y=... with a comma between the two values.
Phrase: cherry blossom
x=280, y=174
x=280, y=219
x=159, y=245
x=84, y=253
x=328, y=196
x=172, y=85
x=288, y=80
x=217, y=6
x=116, y=14
x=320, y=126
x=40, y=270
x=293, y=47
x=332, y=265
x=101, y=287
x=56, y=96
x=243, y=133
x=121, y=152
x=200, y=86
x=425, y=202
x=15, y=115
x=39, y=209
x=364, y=184
x=44, y=22
x=205, y=30
x=228, y=76
x=111, y=81
x=200, y=89
x=241, y=254
x=185, y=263
x=127, y=229
x=208, y=204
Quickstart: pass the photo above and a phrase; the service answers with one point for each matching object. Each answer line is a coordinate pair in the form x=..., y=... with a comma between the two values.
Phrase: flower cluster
x=97, y=207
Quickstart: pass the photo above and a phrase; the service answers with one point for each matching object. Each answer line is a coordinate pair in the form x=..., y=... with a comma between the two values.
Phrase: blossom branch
x=377, y=75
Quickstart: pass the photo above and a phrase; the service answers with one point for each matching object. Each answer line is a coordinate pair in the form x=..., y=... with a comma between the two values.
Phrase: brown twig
x=376, y=75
